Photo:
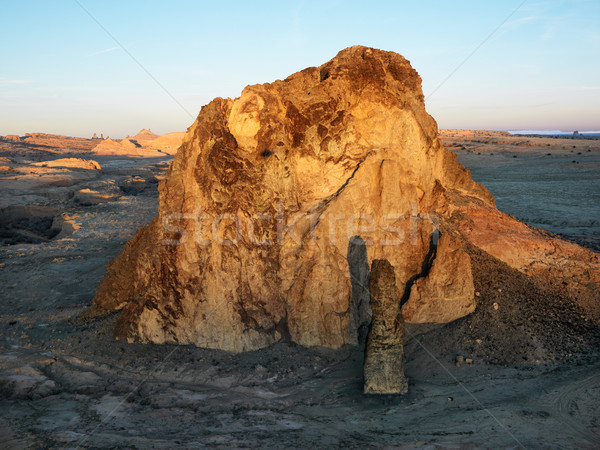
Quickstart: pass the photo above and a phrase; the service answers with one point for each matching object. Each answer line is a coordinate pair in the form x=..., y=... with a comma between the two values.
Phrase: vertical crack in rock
x=425, y=267
x=384, y=354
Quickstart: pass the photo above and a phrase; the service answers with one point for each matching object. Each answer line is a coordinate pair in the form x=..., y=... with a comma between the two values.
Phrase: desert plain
x=67, y=207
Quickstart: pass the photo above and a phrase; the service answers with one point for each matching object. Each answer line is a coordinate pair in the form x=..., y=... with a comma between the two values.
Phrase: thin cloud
x=106, y=50
x=519, y=21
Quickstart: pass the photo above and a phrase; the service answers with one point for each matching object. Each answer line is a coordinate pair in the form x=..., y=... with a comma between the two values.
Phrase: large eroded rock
x=275, y=198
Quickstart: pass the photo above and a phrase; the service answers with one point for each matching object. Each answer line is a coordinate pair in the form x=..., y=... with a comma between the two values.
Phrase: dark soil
x=517, y=322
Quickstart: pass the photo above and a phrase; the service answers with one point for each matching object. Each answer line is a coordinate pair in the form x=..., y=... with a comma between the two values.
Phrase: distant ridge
x=554, y=132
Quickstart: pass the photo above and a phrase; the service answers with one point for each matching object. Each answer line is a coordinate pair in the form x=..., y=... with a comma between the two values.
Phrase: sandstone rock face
x=262, y=200
x=440, y=296
x=277, y=201
x=384, y=355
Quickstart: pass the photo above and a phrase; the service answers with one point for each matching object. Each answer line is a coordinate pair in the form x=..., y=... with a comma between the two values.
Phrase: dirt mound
x=516, y=320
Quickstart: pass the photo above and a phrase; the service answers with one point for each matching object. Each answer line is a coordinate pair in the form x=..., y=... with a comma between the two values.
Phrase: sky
x=79, y=67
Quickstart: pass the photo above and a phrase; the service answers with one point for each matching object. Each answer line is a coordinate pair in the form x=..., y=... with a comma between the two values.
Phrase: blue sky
x=61, y=72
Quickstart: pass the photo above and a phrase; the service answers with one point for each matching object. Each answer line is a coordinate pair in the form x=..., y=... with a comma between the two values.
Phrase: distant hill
x=169, y=142
x=144, y=135
x=145, y=143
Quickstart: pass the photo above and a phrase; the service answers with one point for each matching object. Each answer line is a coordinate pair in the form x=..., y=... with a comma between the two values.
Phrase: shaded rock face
x=440, y=296
x=384, y=354
x=277, y=201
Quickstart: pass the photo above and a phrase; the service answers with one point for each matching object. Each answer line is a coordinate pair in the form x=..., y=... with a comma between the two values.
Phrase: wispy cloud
x=11, y=82
x=106, y=50
x=520, y=21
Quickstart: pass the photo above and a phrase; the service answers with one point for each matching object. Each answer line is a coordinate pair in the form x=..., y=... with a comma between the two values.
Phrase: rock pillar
x=384, y=354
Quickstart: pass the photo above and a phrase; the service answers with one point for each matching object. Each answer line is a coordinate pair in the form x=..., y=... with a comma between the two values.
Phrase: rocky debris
x=268, y=191
x=534, y=325
x=550, y=260
x=384, y=353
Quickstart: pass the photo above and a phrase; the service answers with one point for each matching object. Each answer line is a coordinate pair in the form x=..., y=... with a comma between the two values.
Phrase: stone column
x=384, y=355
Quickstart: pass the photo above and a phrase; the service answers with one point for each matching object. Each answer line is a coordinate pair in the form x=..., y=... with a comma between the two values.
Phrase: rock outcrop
x=11, y=137
x=51, y=143
x=145, y=135
x=276, y=202
x=72, y=163
x=145, y=143
x=384, y=354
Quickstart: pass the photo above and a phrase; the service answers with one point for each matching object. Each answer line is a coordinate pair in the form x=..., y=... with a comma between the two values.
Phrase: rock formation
x=12, y=137
x=275, y=198
x=149, y=144
x=145, y=135
x=384, y=353
x=73, y=163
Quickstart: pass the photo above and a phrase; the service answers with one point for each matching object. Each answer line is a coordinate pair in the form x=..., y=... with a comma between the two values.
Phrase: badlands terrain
x=119, y=330
x=65, y=382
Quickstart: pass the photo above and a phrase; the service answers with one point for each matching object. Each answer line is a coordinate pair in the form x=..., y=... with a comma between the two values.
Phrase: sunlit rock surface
x=277, y=201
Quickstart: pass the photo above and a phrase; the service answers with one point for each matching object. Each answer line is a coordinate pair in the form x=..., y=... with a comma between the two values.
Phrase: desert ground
x=66, y=383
